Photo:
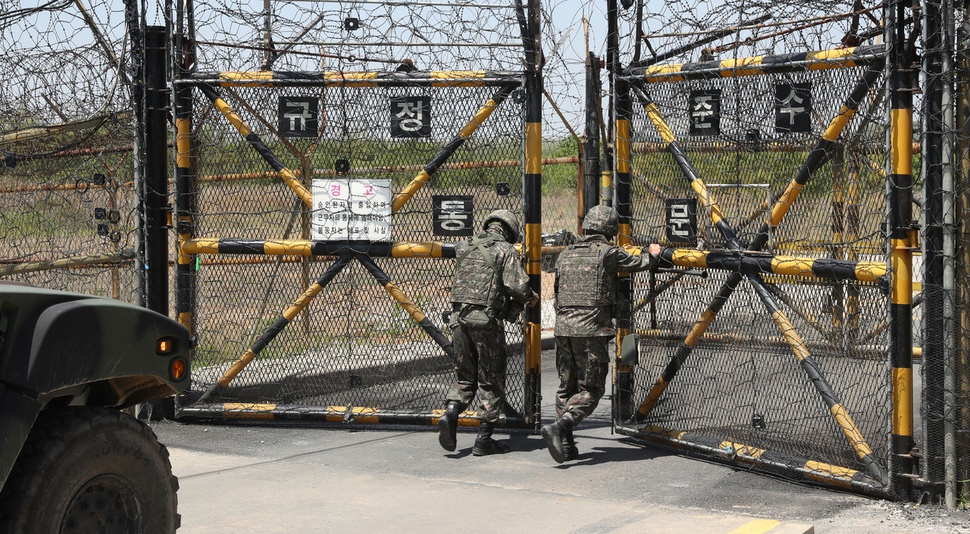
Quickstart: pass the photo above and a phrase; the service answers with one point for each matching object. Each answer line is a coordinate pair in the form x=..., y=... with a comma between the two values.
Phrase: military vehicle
x=72, y=457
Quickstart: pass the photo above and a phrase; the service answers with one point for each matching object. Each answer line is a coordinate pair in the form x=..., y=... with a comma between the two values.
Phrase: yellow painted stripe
x=302, y=302
x=834, y=54
x=901, y=259
x=902, y=141
x=185, y=319
x=199, y=246
x=623, y=235
x=746, y=66
x=653, y=396
x=902, y=401
x=791, y=336
x=183, y=145
x=236, y=367
x=356, y=79
x=606, y=180
x=792, y=266
x=781, y=207
x=830, y=470
x=234, y=119
x=404, y=301
x=758, y=526
x=478, y=119
x=457, y=74
x=698, y=330
x=851, y=431
x=748, y=451
x=701, y=191
x=293, y=183
x=533, y=346
x=287, y=247
x=533, y=248
x=402, y=198
x=416, y=250
x=838, y=124
x=257, y=75
x=690, y=258
x=240, y=410
x=533, y=148
x=658, y=122
x=664, y=72
x=457, y=78
x=623, y=152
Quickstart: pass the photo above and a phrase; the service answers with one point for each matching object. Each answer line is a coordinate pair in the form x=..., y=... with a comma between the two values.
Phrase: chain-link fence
x=785, y=158
x=65, y=142
x=813, y=325
x=325, y=174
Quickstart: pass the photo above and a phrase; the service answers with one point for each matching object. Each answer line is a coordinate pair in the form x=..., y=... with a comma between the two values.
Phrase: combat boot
x=485, y=445
x=448, y=427
x=569, y=445
x=557, y=437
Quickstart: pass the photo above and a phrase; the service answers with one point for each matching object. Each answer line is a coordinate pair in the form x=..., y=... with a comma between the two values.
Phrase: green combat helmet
x=601, y=220
x=508, y=220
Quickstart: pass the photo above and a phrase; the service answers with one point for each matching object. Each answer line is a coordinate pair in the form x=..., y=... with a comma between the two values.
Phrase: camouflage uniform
x=489, y=281
x=480, y=300
x=586, y=292
x=585, y=308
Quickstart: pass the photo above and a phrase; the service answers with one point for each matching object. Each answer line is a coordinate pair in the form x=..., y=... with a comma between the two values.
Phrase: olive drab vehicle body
x=70, y=357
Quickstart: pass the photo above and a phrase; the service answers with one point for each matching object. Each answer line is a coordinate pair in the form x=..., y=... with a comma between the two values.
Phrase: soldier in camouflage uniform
x=490, y=286
x=586, y=292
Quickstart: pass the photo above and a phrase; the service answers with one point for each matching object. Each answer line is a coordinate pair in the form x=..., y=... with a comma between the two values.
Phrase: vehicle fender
x=17, y=415
x=89, y=340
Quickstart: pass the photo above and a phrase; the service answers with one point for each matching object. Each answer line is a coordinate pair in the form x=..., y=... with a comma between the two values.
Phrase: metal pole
x=901, y=242
x=155, y=187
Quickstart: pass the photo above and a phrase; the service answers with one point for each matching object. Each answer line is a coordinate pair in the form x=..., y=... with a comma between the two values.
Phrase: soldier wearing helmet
x=489, y=282
x=586, y=290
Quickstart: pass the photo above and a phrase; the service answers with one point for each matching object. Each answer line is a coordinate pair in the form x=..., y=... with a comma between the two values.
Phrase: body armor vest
x=583, y=280
x=477, y=274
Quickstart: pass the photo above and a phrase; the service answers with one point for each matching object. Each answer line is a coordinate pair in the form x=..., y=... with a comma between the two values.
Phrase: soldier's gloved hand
x=535, y=299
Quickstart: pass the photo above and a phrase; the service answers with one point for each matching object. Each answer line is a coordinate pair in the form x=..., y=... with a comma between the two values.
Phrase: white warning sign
x=351, y=210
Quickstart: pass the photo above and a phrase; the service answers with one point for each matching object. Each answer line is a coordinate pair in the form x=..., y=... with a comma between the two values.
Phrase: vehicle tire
x=89, y=469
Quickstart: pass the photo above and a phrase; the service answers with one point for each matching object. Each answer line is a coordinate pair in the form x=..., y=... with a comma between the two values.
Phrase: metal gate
x=769, y=349
x=317, y=209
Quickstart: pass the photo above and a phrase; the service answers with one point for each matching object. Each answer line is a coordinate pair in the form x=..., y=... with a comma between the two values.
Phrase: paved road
x=267, y=478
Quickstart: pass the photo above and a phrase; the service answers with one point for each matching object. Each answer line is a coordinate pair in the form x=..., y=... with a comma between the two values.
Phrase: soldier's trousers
x=480, y=363
x=583, y=363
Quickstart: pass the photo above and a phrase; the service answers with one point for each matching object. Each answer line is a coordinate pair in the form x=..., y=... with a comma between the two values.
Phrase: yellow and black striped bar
x=735, y=452
x=824, y=389
x=817, y=157
x=844, y=421
x=185, y=207
x=298, y=247
x=761, y=263
x=330, y=414
x=760, y=65
x=281, y=322
x=449, y=149
x=532, y=191
x=406, y=303
x=287, y=175
x=623, y=204
x=471, y=78
x=902, y=240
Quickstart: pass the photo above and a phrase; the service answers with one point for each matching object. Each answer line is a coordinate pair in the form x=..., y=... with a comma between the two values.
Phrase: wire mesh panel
x=66, y=220
x=785, y=370
x=296, y=313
